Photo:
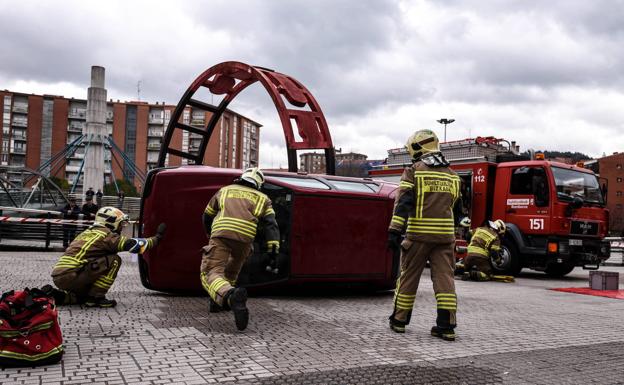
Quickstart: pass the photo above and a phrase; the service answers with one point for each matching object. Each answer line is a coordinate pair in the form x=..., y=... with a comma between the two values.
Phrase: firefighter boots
x=100, y=302
x=213, y=307
x=445, y=334
x=397, y=326
x=237, y=299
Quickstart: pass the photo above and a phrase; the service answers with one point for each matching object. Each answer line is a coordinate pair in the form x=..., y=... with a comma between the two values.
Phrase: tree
x=62, y=183
x=128, y=188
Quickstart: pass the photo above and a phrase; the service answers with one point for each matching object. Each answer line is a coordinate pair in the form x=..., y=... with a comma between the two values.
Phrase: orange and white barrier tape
x=49, y=220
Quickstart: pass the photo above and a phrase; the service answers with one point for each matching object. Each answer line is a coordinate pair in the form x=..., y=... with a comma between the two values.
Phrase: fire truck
x=555, y=212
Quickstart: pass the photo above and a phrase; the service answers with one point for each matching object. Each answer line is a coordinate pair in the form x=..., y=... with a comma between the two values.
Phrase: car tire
x=511, y=263
x=558, y=270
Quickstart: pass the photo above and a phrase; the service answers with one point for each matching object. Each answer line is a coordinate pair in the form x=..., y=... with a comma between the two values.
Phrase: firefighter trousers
x=93, y=279
x=414, y=256
x=222, y=261
x=479, y=263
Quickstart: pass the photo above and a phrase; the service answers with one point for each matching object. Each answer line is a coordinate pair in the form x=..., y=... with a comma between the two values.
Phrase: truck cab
x=556, y=217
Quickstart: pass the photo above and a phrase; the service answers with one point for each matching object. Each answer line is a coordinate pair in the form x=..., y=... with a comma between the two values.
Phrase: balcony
x=19, y=136
x=198, y=122
x=155, y=133
x=109, y=116
x=20, y=108
x=153, y=146
x=152, y=160
x=19, y=122
x=18, y=151
x=156, y=120
x=75, y=127
x=77, y=114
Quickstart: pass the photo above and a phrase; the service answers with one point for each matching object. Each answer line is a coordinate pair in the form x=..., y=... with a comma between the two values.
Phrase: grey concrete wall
x=95, y=130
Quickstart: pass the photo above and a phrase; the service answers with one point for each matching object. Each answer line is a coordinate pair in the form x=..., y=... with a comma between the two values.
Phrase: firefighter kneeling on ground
x=230, y=220
x=428, y=203
x=89, y=266
x=485, y=247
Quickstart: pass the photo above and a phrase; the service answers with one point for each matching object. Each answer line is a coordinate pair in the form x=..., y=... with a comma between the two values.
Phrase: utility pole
x=445, y=121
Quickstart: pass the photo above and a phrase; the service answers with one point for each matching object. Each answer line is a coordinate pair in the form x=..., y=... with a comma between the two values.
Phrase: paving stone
x=508, y=333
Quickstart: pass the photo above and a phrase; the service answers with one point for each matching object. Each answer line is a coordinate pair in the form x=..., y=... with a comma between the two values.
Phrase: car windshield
x=571, y=183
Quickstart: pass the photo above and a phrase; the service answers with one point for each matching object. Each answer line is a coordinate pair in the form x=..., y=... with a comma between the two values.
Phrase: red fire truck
x=555, y=212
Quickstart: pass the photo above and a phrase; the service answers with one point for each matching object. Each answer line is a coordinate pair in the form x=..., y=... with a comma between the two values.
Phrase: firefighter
x=89, y=266
x=427, y=207
x=485, y=247
x=230, y=220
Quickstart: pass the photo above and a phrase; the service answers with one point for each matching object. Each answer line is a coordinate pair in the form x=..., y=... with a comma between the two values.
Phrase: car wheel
x=510, y=263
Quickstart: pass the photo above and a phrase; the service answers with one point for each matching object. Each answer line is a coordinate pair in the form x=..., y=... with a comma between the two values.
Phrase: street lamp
x=445, y=122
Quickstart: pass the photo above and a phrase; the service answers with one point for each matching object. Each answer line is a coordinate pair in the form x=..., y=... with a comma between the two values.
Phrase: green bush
x=128, y=188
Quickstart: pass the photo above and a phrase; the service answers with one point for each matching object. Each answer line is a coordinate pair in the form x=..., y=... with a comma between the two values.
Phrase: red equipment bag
x=29, y=330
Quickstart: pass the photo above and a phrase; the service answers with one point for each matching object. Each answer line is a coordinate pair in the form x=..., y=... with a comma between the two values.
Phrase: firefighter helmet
x=253, y=176
x=111, y=217
x=422, y=142
x=499, y=226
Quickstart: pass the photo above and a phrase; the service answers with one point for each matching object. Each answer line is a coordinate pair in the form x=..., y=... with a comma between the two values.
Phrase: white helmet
x=499, y=226
x=254, y=176
x=111, y=217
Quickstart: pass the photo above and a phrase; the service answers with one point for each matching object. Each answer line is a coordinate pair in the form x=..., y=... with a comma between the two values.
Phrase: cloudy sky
x=548, y=74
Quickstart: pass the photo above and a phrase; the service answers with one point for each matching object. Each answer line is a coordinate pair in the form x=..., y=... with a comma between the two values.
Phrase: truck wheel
x=558, y=270
x=510, y=263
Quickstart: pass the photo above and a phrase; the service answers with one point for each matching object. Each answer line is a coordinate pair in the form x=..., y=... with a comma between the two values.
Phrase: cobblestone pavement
x=517, y=333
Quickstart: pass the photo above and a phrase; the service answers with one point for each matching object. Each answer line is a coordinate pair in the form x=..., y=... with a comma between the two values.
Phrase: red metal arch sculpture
x=229, y=79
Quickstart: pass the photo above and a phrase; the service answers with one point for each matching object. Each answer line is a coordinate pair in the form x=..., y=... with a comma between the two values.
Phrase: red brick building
x=611, y=168
x=35, y=127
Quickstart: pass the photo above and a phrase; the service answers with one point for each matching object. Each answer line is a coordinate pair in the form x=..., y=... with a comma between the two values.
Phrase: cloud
x=542, y=73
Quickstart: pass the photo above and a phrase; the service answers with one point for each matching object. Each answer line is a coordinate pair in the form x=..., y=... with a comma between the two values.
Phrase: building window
x=619, y=193
x=618, y=179
x=618, y=166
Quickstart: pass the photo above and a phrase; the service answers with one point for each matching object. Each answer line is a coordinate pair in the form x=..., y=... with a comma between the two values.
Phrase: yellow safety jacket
x=236, y=211
x=425, y=203
x=483, y=241
x=98, y=241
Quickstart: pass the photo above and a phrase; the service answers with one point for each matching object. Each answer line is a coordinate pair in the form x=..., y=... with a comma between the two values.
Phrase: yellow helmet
x=499, y=226
x=254, y=176
x=422, y=142
x=111, y=217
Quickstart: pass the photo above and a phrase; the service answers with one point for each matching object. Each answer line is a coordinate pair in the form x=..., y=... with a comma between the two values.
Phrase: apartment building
x=35, y=127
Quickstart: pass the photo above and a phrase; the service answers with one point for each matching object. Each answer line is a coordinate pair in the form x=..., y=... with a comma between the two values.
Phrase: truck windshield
x=571, y=183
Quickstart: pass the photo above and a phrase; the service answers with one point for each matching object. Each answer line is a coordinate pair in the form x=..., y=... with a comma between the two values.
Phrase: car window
x=354, y=186
x=302, y=182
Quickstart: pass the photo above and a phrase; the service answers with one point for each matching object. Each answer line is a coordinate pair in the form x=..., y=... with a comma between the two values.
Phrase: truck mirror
x=577, y=203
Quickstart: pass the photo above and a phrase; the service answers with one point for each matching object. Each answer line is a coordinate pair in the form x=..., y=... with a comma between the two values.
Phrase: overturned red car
x=332, y=229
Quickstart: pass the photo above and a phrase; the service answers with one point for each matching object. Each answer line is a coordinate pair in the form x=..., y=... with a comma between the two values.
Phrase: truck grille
x=584, y=228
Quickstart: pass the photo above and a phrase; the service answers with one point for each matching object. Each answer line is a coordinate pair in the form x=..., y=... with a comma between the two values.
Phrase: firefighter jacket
x=236, y=211
x=427, y=204
x=99, y=241
x=483, y=241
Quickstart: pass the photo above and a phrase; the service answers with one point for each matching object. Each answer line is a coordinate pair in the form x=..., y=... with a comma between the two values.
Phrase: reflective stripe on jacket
x=483, y=241
x=424, y=203
x=237, y=210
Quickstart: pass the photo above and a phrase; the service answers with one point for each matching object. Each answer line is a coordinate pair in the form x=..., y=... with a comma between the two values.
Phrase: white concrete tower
x=95, y=132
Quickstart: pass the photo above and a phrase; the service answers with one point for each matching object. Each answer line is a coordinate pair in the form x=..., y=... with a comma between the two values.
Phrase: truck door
x=528, y=203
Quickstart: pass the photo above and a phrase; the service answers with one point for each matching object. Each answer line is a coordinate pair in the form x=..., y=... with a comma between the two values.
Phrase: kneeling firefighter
x=230, y=220
x=428, y=204
x=483, y=249
x=89, y=266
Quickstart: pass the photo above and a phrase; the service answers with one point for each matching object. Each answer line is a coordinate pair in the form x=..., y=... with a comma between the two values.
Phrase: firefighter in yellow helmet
x=427, y=208
x=231, y=219
x=87, y=269
x=485, y=247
